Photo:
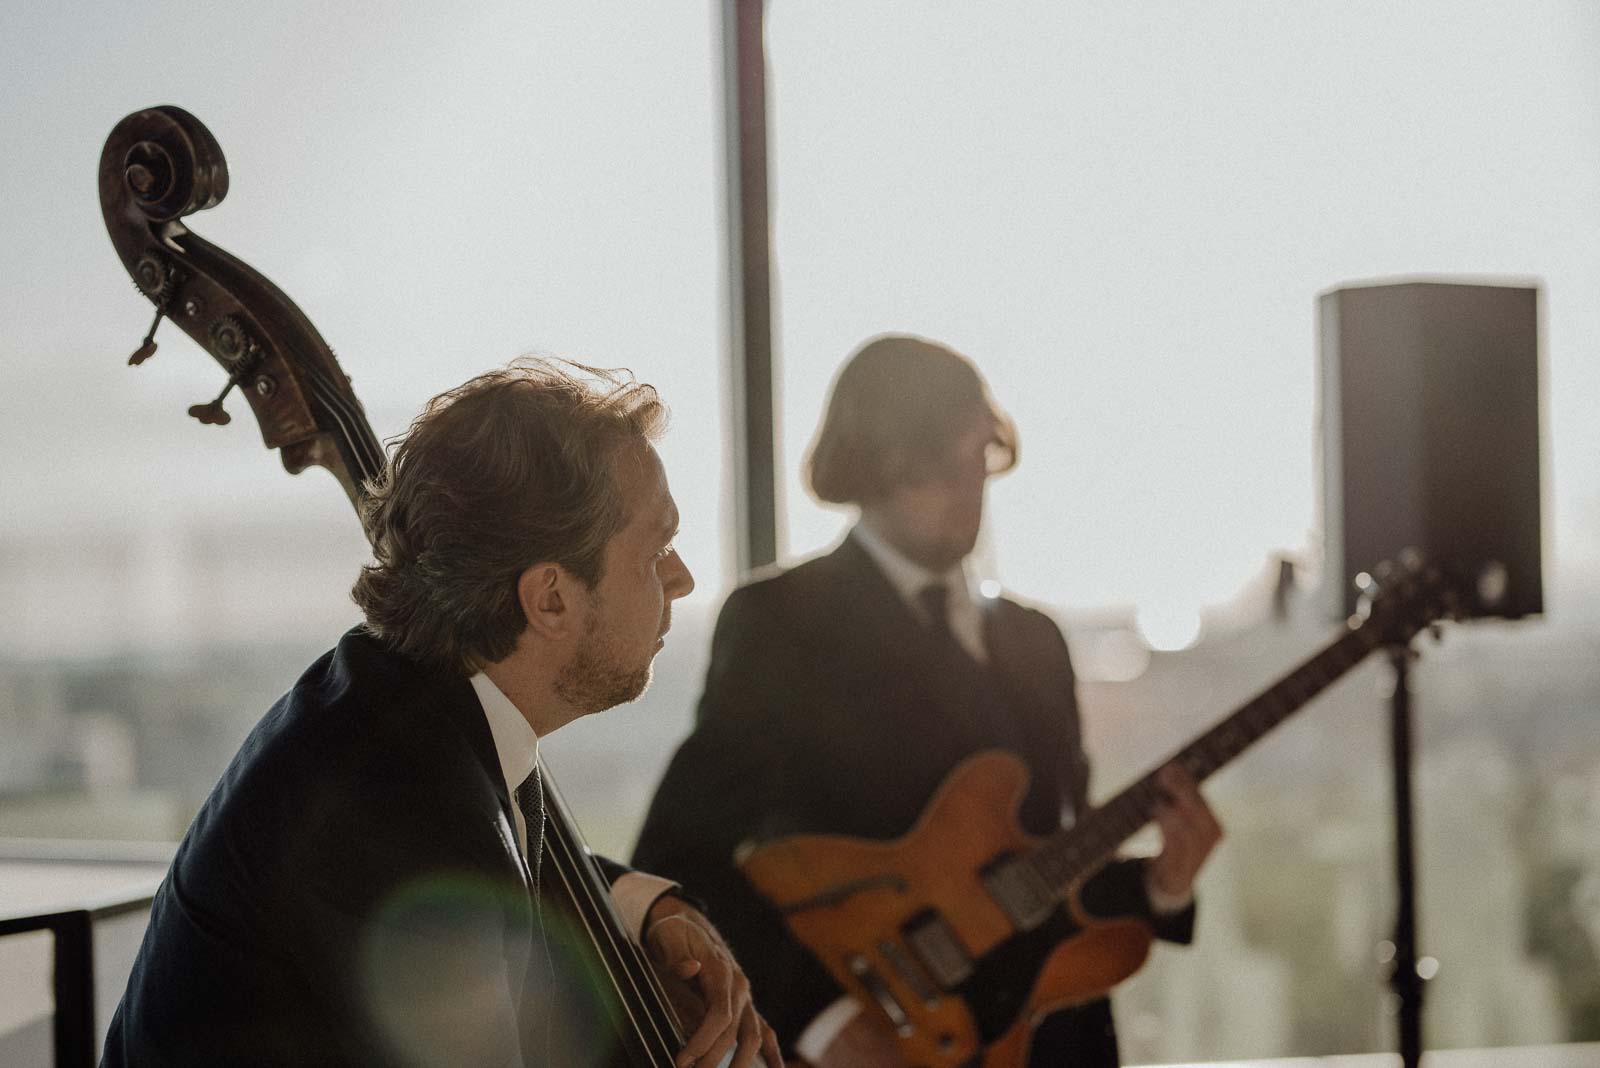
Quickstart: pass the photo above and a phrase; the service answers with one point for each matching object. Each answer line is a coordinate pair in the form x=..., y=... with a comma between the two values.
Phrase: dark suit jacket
x=828, y=709
x=350, y=893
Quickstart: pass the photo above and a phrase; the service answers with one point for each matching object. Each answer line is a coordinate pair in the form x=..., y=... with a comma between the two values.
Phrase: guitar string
x=1066, y=857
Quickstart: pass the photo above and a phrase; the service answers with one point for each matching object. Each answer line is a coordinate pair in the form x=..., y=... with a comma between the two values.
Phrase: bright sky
x=1122, y=212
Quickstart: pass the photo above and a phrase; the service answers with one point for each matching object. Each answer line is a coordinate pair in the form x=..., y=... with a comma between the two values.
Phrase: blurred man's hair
x=897, y=408
x=514, y=468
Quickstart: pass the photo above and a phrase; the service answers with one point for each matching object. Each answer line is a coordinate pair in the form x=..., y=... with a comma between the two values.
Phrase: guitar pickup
x=909, y=972
x=1020, y=891
x=934, y=941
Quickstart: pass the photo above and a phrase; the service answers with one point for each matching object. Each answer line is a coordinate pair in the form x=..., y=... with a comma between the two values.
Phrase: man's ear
x=546, y=593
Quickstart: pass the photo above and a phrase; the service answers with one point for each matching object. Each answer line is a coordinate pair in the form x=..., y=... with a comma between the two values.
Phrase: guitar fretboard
x=1067, y=856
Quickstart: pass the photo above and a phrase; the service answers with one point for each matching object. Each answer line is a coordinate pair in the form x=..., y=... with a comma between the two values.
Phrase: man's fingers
x=709, y=1043
x=1189, y=829
x=769, y=1046
x=719, y=1048
x=1175, y=779
x=729, y=1022
x=749, y=1039
x=1182, y=792
x=1172, y=824
x=716, y=985
x=1188, y=818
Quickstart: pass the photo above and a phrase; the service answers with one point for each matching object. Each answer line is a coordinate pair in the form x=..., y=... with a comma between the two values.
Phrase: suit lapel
x=872, y=608
x=1007, y=655
x=938, y=690
x=460, y=703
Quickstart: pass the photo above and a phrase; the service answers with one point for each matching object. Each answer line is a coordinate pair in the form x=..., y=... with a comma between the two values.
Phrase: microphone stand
x=1404, y=978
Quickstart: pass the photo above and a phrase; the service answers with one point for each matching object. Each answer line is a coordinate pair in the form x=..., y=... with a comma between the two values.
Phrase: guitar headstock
x=1403, y=597
x=159, y=165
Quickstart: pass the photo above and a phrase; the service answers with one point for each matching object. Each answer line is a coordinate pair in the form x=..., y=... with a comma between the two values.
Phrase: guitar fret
x=1069, y=854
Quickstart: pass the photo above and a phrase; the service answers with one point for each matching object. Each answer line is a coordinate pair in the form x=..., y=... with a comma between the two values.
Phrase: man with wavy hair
x=841, y=693
x=363, y=884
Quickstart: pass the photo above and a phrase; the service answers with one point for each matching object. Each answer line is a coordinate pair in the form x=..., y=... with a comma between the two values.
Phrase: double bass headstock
x=159, y=165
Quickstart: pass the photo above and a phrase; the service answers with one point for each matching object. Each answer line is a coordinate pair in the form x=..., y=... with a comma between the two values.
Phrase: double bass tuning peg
x=148, y=349
x=214, y=414
x=232, y=344
x=156, y=279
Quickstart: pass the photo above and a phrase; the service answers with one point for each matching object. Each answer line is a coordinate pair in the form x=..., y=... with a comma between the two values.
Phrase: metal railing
x=71, y=923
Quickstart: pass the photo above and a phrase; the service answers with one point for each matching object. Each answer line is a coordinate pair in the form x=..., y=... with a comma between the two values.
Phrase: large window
x=1124, y=213
x=441, y=192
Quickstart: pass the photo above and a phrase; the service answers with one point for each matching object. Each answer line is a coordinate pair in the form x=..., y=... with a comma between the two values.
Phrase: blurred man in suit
x=372, y=880
x=841, y=693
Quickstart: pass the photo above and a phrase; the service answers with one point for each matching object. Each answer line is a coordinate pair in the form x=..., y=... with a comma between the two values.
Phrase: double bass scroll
x=159, y=165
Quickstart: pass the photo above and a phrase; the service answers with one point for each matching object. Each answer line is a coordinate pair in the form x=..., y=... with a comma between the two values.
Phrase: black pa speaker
x=1430, y=437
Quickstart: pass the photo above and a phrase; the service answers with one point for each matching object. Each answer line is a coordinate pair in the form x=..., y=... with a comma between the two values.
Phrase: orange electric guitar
x=966, y=932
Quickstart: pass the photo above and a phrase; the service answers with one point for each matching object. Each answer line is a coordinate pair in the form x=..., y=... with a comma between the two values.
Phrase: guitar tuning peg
x=148, y=349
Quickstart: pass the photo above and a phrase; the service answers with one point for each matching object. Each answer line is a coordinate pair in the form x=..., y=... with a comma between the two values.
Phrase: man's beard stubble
x=595, y=679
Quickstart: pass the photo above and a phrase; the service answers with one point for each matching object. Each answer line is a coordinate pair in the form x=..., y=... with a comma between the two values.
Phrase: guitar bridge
x=861, y=968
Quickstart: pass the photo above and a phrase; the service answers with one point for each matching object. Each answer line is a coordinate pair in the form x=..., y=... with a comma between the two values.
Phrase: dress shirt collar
x=908, y=577
x=514, y=740
x=965, y=612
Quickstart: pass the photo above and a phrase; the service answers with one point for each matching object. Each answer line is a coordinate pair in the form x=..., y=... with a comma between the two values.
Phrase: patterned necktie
x=530, y=801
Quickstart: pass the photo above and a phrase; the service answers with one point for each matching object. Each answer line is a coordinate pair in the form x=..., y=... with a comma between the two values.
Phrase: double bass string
x=658, y=1032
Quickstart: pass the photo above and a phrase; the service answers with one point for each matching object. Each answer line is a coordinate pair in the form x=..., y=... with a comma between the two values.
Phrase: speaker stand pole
x=1404, y=979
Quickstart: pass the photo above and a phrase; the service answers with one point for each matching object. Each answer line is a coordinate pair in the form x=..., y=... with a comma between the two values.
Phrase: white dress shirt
x=518, y=749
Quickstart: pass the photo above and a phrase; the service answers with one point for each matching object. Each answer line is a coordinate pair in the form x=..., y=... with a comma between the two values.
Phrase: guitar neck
x=1067, y=856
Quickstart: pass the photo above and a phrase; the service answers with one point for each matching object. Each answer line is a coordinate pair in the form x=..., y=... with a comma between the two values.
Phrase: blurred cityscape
x=122, y=740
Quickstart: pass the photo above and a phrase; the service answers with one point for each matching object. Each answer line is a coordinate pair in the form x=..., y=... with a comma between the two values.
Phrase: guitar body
x=911, y=928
